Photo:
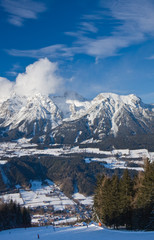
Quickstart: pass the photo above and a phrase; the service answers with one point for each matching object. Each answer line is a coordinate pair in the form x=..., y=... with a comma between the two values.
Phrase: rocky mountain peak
x=108, y=114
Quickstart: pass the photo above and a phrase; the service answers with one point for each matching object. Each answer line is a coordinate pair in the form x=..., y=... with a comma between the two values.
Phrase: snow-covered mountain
x=73, y=119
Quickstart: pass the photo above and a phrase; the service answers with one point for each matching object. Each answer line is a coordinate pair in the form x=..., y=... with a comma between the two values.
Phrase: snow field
x=23, y=148
x=15, y=197
x=112, y=163
x=82, y=199
x=112, y=159
x=3, y=162
x=45, y=195
x=91, y=232
x=40, y=195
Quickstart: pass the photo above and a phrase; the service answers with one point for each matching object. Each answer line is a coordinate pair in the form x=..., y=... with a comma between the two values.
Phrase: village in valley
x=47, y=202
x=49, y=206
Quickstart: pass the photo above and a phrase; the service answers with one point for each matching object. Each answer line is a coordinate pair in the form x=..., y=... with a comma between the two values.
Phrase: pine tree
x=126, y=197
x=115, y=197
x=143, y=217
x=26, y=219
x=128, y=202
x=105, y=210
x=12, y=215
x=106, y=200
x=19, y=216
x=98, y=196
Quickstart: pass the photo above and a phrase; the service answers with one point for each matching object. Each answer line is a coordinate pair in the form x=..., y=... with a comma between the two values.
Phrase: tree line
x=127, y=201
x=12, y=215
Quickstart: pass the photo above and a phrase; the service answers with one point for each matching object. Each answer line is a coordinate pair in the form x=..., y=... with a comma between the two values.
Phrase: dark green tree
x=143, y=216
x=126, y=198
x=128, y=202
x=103, y=201
x=13, y=216
x=115, y=197
x=26, y=219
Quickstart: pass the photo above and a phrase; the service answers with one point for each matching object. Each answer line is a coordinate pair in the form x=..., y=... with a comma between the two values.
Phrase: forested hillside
x=63, y=171
x=127, y=201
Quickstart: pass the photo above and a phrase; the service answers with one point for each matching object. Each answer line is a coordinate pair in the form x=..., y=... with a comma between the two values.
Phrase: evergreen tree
x=26, y=217
x=106, y=200
x=98, y=196
x=128, y=202
x=12, y=216
x=126, y=197
x=143, y=217
x=106, y=215
x=115, y=197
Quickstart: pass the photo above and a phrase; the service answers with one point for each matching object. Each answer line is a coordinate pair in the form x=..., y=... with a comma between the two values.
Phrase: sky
x=82, y=45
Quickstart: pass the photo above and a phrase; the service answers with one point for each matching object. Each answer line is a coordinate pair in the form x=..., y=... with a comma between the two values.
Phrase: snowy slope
x=35, y=114
x=75, y=233
x=72, y=119
x=118, y=109
x=106, y=115
x=72, y=105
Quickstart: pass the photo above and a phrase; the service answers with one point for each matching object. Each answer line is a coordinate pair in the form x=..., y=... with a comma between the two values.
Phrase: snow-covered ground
x=91, y=232
x=47, y=195
x=112, y=159
x=82, y=199
x=112, y=163
x=40, y=195
x=3, y=162
x=23, y=147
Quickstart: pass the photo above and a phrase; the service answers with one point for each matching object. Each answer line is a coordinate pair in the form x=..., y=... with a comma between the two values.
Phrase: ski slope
x=73, y=233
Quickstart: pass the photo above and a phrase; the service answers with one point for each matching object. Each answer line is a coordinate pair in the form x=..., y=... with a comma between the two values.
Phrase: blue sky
x=96, y=46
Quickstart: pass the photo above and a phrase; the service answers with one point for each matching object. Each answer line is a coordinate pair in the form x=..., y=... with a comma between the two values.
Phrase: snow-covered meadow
x=92, y=232
x=112, y=159
x=40, y=195
x=45, y=194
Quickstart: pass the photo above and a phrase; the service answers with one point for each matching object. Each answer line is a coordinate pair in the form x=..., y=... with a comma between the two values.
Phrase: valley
x=57, y=183
x=53, y=149
x=48, y=204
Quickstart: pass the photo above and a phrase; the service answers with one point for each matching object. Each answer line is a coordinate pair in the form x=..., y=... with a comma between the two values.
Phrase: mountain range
x=109, y=120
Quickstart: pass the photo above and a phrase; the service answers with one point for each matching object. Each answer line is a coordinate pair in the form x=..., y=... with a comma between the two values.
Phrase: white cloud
x=6, y=88
x=41, y=76
x=135, y=16
x=89, y=27
x=50, y=52
x=133, y=22
x=20, y=10
x=106, y=47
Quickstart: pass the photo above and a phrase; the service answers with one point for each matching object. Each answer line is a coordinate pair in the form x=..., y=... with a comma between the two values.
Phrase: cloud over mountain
x=41, y=76
x=6, y=87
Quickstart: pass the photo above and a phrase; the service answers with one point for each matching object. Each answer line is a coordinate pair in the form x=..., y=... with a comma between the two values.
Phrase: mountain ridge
x=72, y=119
